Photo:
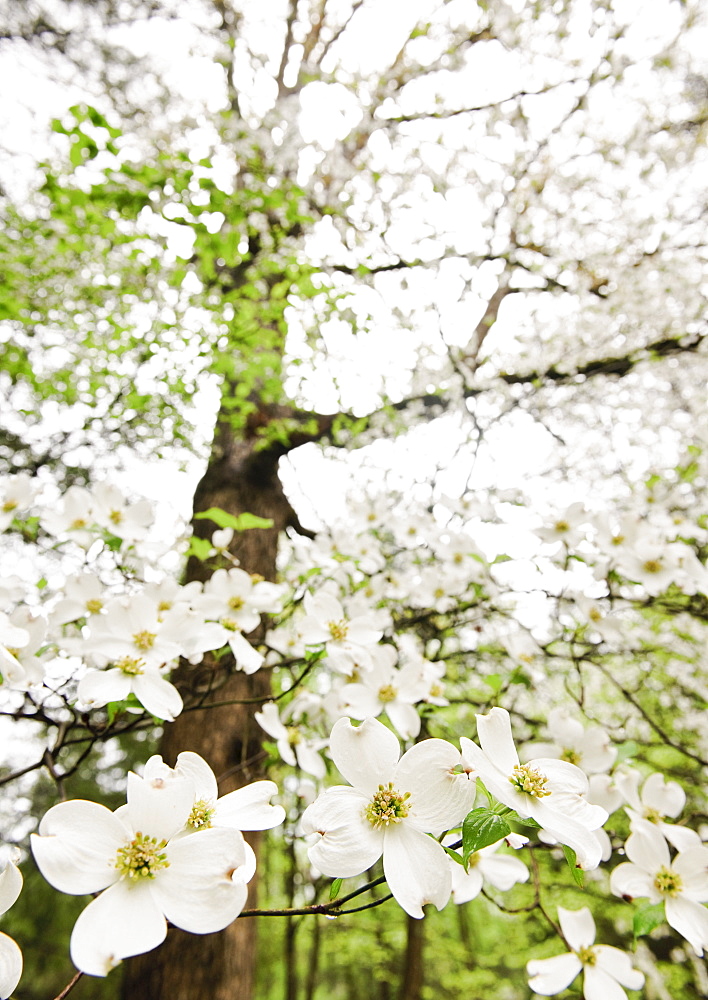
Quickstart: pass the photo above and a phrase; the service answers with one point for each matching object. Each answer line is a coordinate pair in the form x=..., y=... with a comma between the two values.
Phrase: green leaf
x=200, y=548
x=577, y=873
x=242, y=522
x=453, y=854
x=334, y=888
x=481, y=828
x=646, y=919
x=630, y=748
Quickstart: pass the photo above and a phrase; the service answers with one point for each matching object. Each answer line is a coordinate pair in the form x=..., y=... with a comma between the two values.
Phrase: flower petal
x=249, y=808
x=10, y=887
x=494, y=732
x=10, y=965
x=618, y=964
x=578, y=927
x=159, y=808
x=349, y=844
x=551, y=975
x=365, y=755
x=77, y=846
x=692, y=866
x=198, y=892
x=630, y=881
x=157, y=696
x=124, y=920
x=191, y=765
x=599, y=985
x=440, y=799
x=416, y=868
x=647, y=848
x=690, y=919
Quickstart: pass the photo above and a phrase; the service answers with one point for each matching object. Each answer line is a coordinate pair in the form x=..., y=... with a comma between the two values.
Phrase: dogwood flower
x=681, y=884
x=10, y=954
x=549, y=791
x=346, y=641
x=246, y=808
x=390, y=810
x=605, y=969
x=292, y=746
x=145, y=874
x=658, y=798
x=500, y=870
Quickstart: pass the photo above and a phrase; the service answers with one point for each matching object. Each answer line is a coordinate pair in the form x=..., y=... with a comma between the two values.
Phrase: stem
x=69, y=987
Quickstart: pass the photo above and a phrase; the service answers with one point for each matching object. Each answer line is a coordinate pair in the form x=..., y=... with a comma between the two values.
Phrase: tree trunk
x=220, y=966
x=412, y=985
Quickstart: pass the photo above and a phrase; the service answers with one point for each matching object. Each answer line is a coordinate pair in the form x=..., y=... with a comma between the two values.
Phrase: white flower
x=246, y=808
x=606, y=969
x=500, y=870
x=588, y=748
x=386, y=689
x=659, y=798
x=391, y=808
x=292, y=745
x=346, y=640
x=149, y=875
x=549, y=791
x=682, y=885
x=10, y=954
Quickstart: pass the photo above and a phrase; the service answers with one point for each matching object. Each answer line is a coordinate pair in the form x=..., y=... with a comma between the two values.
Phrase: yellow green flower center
x=338, y=630
x=144, y=640
x=9, y=505
x=236, y=603
x=201, y=815
x=80, y=522
x=652, y=566
x=229, y=624
x=571, y=757
x=94, y=606
x=530, y=781
x=587, y=956
x=142, y=858
x=561, y=526
x=131, y=665
x=387, y=806
x=667, y=882
x=115, y=516
x=653, y=815
x=387, y=693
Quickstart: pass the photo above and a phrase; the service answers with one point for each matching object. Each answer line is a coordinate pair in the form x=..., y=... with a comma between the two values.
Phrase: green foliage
x=240, y=522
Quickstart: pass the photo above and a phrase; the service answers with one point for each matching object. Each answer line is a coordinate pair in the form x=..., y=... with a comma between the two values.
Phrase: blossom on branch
x=390, y=810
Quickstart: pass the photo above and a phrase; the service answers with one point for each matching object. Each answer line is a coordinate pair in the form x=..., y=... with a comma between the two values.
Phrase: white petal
x=365, y=755
x=599, y=985
x=680, y=837
x=465, y=885
x=249, y=808
x=198, y=891
x=349, y=844
x=157, y=696
x=568, y=831
x=10, y=965
x=124, y=920
x=647, y=848
x=551, y=975
x=247, y=658
x=159, y=808
x=690, y=919
x=561, y=776
x=494, y=732
x=98, y=687
x=440, y=799
x=309, y=760
x=416, y=868
x=78, y=845
x=191, y=765
x=692, y=865
x=666, y=797
x=10, y=886
x=578, y=927
x=269, y=720
x=404, y=719
x=618, y=964
x=503, y=871
x=360, y=701
x=630, y=881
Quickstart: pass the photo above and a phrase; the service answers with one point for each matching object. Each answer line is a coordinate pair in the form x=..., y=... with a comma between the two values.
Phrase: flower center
x=80, y=522
x=229, y=624
x=201, y=815
x=236, y=603
x=561, y=526
x=94, y=606
x=652, y=566
x=9, y=505
x=338, y=630
x=668, y=883
x=387, y=693
x=144, y=640
x=587, y=956
x=571, y=757
x=527, y=779
x=115, y=516
x=142, y=858
x=387, y=806
x=652, y=815
x=131, y=666
x=473, y=860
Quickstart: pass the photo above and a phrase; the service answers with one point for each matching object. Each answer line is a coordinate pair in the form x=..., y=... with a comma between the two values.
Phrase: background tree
x=492, y=220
